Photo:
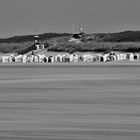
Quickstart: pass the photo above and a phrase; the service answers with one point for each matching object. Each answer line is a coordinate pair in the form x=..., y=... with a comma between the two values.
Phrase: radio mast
x=73, y=28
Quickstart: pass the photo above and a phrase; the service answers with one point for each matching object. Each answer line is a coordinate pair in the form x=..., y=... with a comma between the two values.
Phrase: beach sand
x=99, y=101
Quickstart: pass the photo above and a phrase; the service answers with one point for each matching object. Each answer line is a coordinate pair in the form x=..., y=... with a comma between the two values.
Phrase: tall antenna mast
x=73, y=28
x=36, y=30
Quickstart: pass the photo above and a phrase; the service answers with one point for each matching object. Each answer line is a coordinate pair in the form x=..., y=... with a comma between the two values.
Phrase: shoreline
x=77, y=64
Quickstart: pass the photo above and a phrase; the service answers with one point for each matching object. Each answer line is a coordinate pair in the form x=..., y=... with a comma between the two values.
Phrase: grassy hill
x=127, y=36
x=20, y=43
x=30, y=38
x=124, y=41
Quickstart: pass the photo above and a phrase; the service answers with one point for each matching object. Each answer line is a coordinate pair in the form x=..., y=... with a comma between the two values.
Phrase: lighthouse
x=37, y=42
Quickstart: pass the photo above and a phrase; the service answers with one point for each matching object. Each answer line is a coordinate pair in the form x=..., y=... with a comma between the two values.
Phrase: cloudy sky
x=20, y=17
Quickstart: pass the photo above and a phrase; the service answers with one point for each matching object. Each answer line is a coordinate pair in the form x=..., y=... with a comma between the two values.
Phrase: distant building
x=81, y=36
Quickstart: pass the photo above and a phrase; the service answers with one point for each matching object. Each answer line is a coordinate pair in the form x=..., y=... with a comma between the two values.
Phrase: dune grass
x=96, y=47
x=63, y=45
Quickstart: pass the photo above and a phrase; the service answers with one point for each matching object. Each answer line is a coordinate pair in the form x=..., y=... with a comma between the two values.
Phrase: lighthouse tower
x=37, y=42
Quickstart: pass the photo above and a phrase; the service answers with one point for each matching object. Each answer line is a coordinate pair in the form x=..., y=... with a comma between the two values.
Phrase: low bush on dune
x=62, y=44
x=13, y=47
x=96, y=47
x=30, y=38
x=26, y=50
x=22, y=48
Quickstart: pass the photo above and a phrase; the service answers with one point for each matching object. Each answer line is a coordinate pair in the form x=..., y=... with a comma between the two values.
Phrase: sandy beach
x=99, y=101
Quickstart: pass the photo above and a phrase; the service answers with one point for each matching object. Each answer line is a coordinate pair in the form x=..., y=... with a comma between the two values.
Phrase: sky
x=24, y=17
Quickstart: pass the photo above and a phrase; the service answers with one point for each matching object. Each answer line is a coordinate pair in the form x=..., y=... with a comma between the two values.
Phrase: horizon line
x=19, y=35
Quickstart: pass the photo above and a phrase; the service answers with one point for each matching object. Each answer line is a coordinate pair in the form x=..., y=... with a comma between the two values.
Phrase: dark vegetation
x=26, y=50
x=30, y=38
x=14, y=47
x=97, y=47
x=128, y=41
x=128, y=36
